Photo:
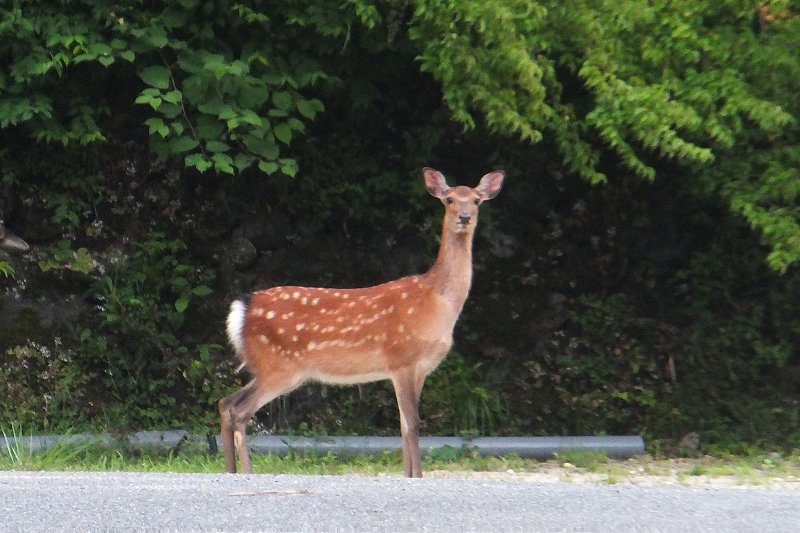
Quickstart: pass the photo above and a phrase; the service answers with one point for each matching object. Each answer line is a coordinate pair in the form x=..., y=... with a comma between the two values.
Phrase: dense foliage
x=638, y=274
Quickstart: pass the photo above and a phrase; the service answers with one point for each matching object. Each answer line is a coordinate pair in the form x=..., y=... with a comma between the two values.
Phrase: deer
x=399, y=331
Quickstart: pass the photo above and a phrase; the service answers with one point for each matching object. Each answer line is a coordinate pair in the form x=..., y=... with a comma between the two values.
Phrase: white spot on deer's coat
x=300, y=326
x=410, y=310
x=284, y=296
x=315, y=301
x=270, y=315
x=312, y=345
x=258, y=311
x=281, y=331
x=295, y=295
x=295, y=338
x=263, y=339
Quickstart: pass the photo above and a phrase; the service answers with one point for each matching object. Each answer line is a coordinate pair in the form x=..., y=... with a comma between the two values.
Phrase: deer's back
x=347, y=335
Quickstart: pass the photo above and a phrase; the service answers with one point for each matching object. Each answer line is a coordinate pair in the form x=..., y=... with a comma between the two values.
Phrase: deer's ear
x=490, y=184
x=435, y=182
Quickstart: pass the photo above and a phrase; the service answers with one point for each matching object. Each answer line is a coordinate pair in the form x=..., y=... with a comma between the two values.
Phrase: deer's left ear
x=435, y=182
x=490, y=184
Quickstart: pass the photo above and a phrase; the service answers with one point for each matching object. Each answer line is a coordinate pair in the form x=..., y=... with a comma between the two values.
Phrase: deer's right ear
x=435, y=182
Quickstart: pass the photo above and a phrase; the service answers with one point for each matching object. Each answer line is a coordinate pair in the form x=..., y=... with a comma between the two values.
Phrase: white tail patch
x=235, y=326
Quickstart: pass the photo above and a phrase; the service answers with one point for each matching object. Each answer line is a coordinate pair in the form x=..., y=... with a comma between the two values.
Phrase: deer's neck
x=451, y=274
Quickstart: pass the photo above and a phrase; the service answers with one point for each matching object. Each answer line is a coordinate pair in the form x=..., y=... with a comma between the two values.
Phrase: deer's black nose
x=464, y=219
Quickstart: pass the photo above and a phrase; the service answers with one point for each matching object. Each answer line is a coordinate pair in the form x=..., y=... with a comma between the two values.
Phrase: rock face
x=10, y=242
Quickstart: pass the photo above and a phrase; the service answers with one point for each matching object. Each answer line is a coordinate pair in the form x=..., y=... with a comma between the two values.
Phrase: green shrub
x=155, y=376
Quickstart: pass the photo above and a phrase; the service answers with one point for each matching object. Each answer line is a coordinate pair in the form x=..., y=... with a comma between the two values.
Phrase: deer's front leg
x=405, y=390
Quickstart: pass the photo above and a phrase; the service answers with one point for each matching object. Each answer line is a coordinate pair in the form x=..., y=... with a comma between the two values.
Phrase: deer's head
x=461, y=203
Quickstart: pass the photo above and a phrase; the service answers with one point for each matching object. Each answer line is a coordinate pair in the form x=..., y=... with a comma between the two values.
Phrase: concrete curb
x=616, y=447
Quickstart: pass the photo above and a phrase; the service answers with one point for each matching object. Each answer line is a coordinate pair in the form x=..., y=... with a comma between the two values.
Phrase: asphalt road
x=44, y=501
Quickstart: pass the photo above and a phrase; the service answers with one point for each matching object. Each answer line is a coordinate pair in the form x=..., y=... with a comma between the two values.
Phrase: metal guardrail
x=617, y=447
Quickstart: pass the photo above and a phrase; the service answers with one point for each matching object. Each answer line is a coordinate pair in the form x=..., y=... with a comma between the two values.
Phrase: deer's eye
x=449, y=201
x=477, y=202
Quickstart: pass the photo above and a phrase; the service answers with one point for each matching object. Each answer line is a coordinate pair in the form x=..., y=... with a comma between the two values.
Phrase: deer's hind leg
x=229, y=423
x=237, y=409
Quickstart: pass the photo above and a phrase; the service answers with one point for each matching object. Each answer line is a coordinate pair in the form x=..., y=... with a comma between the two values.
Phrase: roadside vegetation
x=753, y=468
x=639, y=274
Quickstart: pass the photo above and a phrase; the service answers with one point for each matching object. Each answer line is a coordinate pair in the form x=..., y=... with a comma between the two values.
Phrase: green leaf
x=282, y=100
x=226, y=112
x=155, y=76
x=242, y=161
x=268, y=167
x=156, y=125
x=209, y=127
x=295, y=124
x=250, y=117
x=197, y=161
x=253, y=96
x=169, y=110
x=195, y=88
x=289, y=167
x=158, y=37
x=173, y=96
x=212, y=107
x=202, y=290
x=258, y=146
x=217, y=146
x=270, y=148
x=152, y=97
x=182, y=144
x=306, y=108
x=283, y=133
x=182, y=303
x=223, y=163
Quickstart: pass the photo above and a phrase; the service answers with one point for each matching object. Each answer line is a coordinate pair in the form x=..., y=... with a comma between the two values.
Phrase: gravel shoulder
x=704, y=472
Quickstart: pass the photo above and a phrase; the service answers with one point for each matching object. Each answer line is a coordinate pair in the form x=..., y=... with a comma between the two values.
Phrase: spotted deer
x=400, y=330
